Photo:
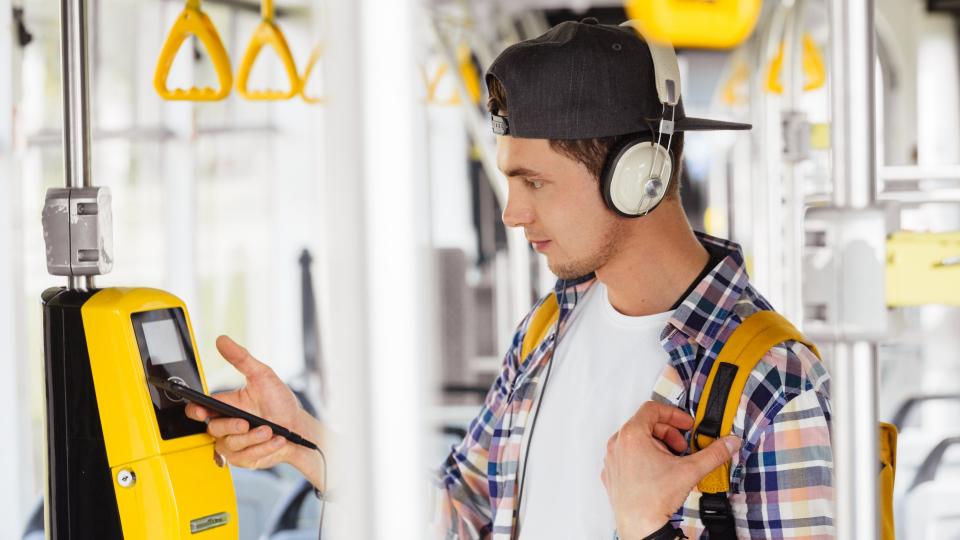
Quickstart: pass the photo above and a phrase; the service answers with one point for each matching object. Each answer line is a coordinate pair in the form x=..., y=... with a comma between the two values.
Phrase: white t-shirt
x=604, y=368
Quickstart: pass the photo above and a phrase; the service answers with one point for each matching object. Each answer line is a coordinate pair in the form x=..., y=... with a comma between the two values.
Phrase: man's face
x=558, y=203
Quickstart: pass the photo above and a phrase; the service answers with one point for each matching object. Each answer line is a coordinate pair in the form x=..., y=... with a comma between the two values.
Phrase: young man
x=645, y=305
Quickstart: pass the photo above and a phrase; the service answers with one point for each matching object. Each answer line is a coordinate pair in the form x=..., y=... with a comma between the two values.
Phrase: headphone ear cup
x=630, y=180
x=609, y=165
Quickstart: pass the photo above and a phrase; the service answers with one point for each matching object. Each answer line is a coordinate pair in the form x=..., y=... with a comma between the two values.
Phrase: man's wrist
x=306, y=460
x=309, y=463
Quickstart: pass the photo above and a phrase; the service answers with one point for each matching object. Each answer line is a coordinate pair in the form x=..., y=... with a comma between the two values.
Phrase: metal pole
x=855, y=360
x=346, y=282
x=792, y=190
x=76, y=100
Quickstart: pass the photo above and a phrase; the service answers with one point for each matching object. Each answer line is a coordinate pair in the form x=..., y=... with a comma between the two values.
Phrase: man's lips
x=540, y=245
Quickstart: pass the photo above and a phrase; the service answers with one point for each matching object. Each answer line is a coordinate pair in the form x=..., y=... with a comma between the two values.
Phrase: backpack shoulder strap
x=541, y=321
x=717, y=408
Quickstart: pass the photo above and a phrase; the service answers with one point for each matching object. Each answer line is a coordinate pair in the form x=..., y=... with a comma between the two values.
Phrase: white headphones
x=637, y=172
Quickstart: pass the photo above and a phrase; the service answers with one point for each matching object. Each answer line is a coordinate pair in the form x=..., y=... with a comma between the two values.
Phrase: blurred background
x=351, y=236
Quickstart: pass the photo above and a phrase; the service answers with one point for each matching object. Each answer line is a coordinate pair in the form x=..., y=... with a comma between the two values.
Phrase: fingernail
x=278, y=442
x=732, y=443
x=263, y=432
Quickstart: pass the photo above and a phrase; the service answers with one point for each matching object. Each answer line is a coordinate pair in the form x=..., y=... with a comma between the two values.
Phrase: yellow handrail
x=468, y=70
x=193, y=21
x=315, y=55
x=268, y=33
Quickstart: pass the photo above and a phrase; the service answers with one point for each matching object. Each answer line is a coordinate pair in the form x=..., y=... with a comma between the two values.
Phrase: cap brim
x=703, y=124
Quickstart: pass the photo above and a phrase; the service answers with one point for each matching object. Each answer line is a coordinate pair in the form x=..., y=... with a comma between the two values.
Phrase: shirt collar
x=702, y=313
x=569, y=291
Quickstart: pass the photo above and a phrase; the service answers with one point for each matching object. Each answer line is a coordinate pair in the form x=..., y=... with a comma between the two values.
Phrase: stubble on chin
x=607, y=248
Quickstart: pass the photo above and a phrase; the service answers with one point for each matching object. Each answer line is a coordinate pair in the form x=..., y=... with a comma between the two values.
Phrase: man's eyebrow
x=520, y=171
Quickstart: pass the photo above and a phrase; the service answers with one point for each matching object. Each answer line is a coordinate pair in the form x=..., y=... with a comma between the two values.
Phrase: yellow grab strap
x=315, y=55
x=813, y=67
x=193, y=21
x=543, y=319
x=744, y=349
x=268, y=33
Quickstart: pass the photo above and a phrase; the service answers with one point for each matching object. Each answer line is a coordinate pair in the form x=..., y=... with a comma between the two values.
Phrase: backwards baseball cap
x=584, y=80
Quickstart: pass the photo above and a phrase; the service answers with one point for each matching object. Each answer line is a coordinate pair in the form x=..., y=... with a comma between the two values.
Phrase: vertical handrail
x=793, y=189
x=76, y=105
x=518, y=249
x=855, y=360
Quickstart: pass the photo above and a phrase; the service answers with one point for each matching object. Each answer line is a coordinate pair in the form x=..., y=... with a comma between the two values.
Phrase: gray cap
x=583, y=80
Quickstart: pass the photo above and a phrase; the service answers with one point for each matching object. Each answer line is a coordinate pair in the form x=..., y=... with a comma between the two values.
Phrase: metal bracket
x=78, y=231
x=796, y=137
x=844, y=272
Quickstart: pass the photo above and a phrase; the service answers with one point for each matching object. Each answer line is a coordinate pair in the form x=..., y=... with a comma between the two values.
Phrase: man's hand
x=266, y=396
x=645, y=482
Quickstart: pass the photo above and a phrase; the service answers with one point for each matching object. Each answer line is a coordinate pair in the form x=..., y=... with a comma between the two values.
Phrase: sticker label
x=209, y=522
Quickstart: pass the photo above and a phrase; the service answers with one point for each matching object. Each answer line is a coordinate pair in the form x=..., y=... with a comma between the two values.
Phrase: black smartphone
x=181, y=391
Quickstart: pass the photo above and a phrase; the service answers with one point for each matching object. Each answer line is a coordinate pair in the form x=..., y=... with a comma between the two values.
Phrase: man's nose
x=517, y=212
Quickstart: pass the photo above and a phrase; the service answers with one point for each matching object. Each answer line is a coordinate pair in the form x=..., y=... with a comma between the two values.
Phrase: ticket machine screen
x=166, y=351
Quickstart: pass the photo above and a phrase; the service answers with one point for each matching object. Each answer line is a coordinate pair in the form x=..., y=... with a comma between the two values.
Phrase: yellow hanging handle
x=193, y=21
x=469, y=73
x=315, y=55
x=813, y=68
x=433, y=82
x=268, y=33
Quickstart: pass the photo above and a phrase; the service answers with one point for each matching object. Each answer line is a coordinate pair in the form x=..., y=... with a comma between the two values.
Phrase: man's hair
x=591, y=152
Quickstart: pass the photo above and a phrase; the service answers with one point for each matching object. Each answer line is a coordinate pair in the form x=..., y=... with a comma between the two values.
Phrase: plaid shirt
x=780, y=480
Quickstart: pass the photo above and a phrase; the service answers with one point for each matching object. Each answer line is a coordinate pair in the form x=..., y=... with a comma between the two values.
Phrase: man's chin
x=568, y=270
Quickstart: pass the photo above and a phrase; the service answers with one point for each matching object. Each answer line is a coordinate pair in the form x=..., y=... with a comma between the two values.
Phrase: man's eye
x=535, y=184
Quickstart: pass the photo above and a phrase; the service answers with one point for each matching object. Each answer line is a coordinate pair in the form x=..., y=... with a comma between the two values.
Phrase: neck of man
x=657, y=259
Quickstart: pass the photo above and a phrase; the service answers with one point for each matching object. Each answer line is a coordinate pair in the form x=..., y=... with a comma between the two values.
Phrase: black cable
x=320, y=494
x=533, y=421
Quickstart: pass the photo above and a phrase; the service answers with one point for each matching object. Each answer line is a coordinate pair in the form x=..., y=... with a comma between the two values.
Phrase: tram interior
x=231, y=206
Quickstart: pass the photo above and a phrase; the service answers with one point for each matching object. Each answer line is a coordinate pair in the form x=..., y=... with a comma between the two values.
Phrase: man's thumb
x=716, y=454
x=239, y=357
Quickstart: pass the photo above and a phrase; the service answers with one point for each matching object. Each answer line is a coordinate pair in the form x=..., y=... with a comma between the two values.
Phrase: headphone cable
x=533, y=421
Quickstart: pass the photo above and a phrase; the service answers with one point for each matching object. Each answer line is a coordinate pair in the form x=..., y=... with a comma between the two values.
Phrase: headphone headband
x=666, y=70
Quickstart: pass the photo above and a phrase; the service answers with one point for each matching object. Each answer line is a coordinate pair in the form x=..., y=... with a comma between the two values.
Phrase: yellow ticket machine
x=124, y=460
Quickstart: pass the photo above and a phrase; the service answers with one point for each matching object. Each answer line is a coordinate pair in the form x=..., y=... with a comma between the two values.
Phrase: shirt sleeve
x=464, y=506
x=785, y=489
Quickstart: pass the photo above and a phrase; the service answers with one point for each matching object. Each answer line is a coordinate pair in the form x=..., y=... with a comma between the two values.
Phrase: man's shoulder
x=786, y=371
x=789, y=367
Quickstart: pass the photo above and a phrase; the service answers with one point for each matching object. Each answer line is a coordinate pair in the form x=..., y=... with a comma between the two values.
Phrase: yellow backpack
x=748, y=344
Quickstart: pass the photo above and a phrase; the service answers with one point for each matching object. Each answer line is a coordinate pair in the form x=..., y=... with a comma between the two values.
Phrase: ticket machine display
x=166, y=352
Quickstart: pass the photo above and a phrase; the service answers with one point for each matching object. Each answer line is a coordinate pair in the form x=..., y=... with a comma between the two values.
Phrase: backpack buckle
x=715, y=512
